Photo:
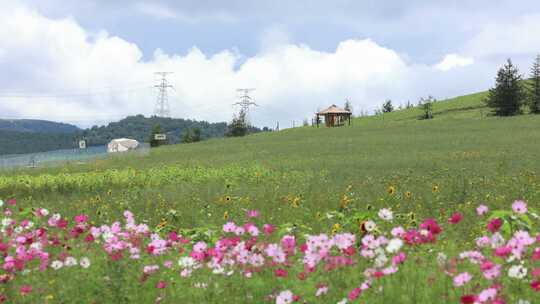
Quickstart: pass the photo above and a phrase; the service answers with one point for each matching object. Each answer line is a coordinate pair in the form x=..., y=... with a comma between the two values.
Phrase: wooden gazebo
x=334, y=116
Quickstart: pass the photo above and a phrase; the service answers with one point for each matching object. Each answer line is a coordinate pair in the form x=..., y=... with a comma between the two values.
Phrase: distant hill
x=15, y=142
x=139, y=127
x=28, y=136
x=37, y=126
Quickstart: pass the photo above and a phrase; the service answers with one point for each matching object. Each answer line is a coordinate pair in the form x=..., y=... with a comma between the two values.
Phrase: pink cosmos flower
x=487, y=295
x=168, y=264
x=398, y=232
x=461, y=279
x=268, y=229
x=25, y=289
x=483, y=241
x=253, y=213
x=399, y=259
x=490, y=270
x=519, y=207
x=354, y=294
x=229, y=227
x=81, y=218
x=321, y=291
x=431, y=225
x=482, y=209
x=455, y=218
x=503, y=251
x=535, y=285
x=285, y=297
x=281, y=273
x=288, y=242
x=161, y=285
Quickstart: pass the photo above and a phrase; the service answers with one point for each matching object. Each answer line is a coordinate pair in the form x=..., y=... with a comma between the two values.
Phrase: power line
x=162, y=103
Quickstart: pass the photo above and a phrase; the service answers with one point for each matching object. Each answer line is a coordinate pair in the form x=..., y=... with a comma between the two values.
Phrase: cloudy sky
x=93, y=61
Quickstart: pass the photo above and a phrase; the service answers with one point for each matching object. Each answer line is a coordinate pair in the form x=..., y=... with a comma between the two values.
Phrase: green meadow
x=299, y=179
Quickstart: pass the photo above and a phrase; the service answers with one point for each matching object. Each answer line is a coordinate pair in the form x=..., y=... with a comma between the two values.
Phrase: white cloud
x=452, y=61
x=156, y=10
x=292, y=81
x=163, y=11
x=515, y=36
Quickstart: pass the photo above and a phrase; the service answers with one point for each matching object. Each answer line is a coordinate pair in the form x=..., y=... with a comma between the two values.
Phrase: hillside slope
x=37, y=126
x=461, y=131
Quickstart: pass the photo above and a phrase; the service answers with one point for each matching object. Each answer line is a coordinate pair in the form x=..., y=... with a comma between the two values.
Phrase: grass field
x=303, y=181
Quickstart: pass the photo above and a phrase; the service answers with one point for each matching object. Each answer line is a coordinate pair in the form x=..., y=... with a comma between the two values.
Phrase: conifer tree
x=388, y=106
x=508, y=95
x=534, y=92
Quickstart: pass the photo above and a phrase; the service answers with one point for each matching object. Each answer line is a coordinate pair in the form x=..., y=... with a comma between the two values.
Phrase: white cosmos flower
x=441, y=259
x=1, y=203
x=370, y=226
x=386, y=214
x=44, y=212
x=394, y=245
x=57, y=265
x=70, y=261
x=36, y=246
x=84, y=262
x=186, y=262
x=380, y=260
x=517, y=272
x=18, y=229
x=6, y=222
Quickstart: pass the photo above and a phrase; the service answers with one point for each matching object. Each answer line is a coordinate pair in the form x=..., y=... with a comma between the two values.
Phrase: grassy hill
x=307, y=181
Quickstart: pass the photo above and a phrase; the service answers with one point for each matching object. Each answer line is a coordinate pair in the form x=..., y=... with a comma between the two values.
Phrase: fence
x=60, y=157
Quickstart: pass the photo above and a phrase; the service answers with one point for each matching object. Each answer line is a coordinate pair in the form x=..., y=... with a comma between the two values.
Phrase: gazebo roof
x=333, y=109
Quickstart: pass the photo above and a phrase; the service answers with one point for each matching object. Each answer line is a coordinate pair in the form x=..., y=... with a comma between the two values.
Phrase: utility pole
x=162, y=103
x=245, y=100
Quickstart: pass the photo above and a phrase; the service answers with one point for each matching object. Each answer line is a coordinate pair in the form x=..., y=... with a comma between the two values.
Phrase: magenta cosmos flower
x=494, y=225
x=455, y=218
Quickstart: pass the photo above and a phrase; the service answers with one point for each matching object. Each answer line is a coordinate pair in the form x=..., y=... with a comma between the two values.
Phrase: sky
x=91, y=62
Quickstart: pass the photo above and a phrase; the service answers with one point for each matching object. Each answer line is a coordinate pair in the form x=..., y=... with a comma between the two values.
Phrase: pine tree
x=387, y=106
x=238, y=126
x=507, y=97
x=534, y=92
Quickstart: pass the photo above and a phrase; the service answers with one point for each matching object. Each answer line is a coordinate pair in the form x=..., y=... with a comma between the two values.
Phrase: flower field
x=47, y=257
x=399, y=211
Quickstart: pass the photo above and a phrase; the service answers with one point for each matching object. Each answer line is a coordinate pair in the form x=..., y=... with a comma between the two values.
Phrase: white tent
x=122, y=145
